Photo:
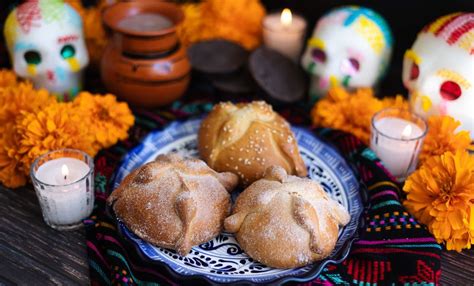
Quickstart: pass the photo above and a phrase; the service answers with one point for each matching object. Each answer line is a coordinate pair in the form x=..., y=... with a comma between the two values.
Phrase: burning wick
x=65, y=171
x=407, y=132
x=286, y=18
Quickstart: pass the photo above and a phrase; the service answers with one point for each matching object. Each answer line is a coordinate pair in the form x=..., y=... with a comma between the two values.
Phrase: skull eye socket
x=318, y=55
x=32, y=57
x=450, y=90
x=355, y=64
x=414, y=71
x=350, y=66
x=68, y=51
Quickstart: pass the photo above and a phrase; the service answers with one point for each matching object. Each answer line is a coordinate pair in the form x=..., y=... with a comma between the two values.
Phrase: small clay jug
x=145, y=65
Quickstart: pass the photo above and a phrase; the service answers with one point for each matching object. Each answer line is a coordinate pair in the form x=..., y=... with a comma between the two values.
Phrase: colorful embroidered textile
x=394, y=249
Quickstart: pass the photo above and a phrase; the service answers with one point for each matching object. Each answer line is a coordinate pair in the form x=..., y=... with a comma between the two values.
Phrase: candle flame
x=65, y=171
x=407, y=131
x=286, y=17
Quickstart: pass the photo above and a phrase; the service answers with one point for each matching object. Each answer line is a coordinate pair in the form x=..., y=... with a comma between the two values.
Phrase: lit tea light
x=64, y=184
x=397, y=137
x=284, y=32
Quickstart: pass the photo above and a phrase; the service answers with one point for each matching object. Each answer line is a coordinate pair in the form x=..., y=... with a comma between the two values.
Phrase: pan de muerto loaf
x=174, y=202
x=286, y=221
x=246, y=138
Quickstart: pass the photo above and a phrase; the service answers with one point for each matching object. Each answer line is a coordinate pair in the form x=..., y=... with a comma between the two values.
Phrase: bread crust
x=284, y=221
x=174, y=202
x=247, y=138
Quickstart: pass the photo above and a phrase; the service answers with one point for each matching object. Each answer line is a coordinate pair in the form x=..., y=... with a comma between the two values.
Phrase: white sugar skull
x=438, y=70
x=46, y=45
x=350, y=46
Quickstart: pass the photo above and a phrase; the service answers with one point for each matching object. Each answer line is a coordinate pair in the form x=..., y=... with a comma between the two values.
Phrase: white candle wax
x=52, y=172
x=68, y=199
x=284, y=34
x=393, y=145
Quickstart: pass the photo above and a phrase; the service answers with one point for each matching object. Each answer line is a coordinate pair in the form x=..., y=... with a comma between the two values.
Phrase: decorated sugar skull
x=350, y=46
x=438, y=70
x=46, y=44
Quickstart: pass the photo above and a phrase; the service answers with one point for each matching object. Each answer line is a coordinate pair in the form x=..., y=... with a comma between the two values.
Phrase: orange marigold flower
x=398, y=102
x=190, y=30
x=12, y=174
x=441, y=195
x=57, y=126
x=21, y=98
x=247, y=13
x=442, y=137
x=239, y=21
x=7, y=78
x=16, y=98
x=347, y=112
x=110, y=120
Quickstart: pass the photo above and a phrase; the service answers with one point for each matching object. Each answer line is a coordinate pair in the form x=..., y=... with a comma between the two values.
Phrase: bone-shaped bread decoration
x=246, y=138
x=174, y=202
x=285, y=221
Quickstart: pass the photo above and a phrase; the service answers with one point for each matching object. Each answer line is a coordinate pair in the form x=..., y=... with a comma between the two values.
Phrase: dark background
x=406, y=19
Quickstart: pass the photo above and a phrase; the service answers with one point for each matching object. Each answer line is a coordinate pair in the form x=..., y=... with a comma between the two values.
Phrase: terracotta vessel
x=147, y=68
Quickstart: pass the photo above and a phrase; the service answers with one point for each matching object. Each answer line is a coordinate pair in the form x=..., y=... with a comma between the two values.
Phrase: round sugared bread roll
x=246, y=138
x=285, y=221
x=174, y=202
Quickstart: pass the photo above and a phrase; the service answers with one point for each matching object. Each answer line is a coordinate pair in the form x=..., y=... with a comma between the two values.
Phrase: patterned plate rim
x=304, y=277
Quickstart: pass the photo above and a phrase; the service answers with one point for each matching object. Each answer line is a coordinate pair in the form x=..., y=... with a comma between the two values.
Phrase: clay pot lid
x=217, y=56
x=121, y=10
x=280, y=78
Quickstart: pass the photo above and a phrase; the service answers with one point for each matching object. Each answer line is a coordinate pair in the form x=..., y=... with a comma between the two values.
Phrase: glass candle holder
x=397, y=137
x=64, y=184
x=284, y=32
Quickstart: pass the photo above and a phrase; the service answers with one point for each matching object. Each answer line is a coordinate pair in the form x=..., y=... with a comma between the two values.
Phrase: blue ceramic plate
x=222, y=260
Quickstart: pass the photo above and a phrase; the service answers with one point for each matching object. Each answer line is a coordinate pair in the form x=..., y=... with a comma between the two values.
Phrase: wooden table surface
x=33, y=254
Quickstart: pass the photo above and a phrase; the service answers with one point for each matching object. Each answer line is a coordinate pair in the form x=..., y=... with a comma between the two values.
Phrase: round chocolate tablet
x=217, y=56
x=282, y=80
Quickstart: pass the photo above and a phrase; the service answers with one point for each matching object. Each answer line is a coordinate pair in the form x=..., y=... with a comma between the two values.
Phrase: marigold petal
x=455, y=219
x=50, y=126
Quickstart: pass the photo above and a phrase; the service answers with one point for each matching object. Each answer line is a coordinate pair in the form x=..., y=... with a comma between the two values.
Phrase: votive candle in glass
x=64, y=184
x=396, y=138
x=284, y=33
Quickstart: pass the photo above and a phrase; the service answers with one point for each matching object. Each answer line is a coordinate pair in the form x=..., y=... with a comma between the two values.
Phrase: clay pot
x=147, y=68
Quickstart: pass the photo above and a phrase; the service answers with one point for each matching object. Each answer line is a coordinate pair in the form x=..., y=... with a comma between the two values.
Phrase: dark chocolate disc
x=282, y=80
x=217, y=56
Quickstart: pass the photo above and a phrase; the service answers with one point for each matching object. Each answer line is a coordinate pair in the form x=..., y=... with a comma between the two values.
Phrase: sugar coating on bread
x=285, y=221
x=247, y=138
x=174, y=202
